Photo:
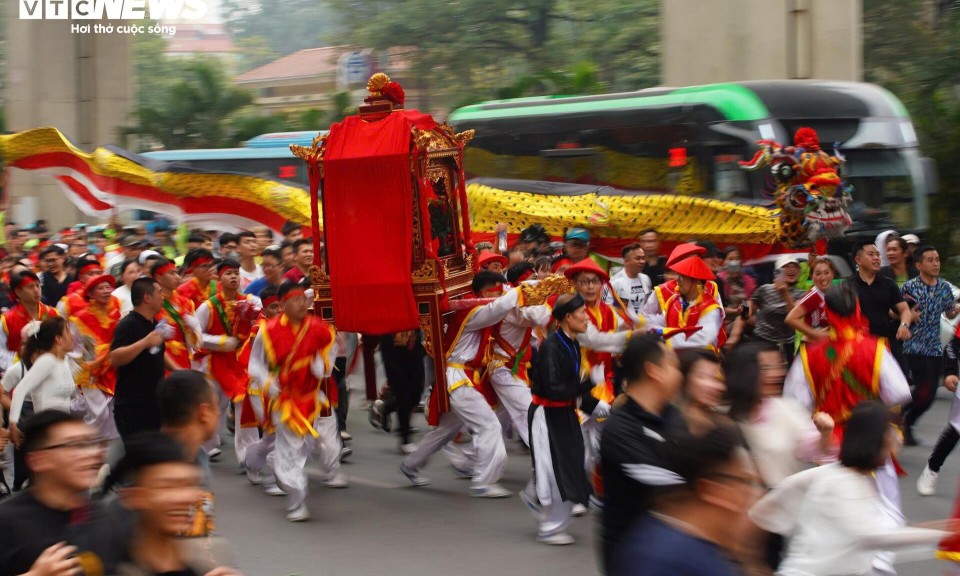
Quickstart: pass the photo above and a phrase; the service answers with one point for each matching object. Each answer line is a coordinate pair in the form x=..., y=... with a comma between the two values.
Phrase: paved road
x=381, y=525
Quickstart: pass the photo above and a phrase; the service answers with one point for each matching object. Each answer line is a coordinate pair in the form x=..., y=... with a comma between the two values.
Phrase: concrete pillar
x=738, y=40
x=77, y=83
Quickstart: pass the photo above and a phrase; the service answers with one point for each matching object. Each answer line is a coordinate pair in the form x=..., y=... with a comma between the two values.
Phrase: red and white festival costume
x=219, y=320
x=460, y=402
x=197, y=294
x=179, y=313
x=292, y=365
x=512, y=350
x=836, y=374
x=97, y=378
x=256, y=411
x=12, y=324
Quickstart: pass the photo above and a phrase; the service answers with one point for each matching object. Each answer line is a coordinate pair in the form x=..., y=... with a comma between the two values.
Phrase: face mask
x=733, y=266
x=233, y=254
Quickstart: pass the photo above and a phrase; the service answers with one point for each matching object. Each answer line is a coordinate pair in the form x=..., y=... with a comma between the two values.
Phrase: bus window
x=729, y=180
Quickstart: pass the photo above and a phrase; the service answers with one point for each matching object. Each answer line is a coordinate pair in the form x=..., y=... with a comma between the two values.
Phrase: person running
x=931, y=297
x=561, y=384
x=52, y=527
x=25, y=289
x=457, y=403
x=95, y=326
x=49, y=381
x=291, y=363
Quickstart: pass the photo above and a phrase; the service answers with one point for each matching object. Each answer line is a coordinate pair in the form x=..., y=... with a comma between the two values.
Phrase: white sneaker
x=339, y=480
x=274, y=490
x=413, y=476
x=345, y=436
x=299, y=514
x=579, y=510
x=558, y=539
x=409, y=448
x=253, y=476
x=491, y=491
x=214, y=453
x=345, y=452
x=927, y=482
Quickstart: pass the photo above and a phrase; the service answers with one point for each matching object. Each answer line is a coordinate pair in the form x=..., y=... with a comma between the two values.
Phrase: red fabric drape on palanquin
x=368, y=227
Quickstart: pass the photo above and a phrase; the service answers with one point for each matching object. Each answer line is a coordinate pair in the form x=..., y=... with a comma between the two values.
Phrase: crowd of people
x=718, y=420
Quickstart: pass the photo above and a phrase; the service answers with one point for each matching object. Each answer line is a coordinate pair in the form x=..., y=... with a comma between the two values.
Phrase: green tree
x=910, y=47
x=480, y=47
x=285, y=25
x=195, y=111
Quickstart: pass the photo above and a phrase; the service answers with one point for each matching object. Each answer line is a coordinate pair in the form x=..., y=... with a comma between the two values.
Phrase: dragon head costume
x=810, y=197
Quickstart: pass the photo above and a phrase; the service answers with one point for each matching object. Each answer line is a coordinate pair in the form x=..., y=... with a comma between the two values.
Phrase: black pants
x=925, y=374
x=132, y=419
x=19, y=463
x=343, y=395
x=945, y=444
x=404, y=368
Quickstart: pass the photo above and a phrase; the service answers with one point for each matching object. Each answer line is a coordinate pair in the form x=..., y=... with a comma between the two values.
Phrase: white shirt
x=837, y=523
x=122, y=292
x=781, y=439
x=247, y=277
x=632, y=291
x=49, y=382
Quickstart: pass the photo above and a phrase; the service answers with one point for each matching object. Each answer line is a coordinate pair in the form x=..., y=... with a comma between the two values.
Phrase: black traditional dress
x=560, y=383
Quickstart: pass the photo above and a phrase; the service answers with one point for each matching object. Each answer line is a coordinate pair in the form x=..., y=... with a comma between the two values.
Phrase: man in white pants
x=465, y=343
x=291, y=361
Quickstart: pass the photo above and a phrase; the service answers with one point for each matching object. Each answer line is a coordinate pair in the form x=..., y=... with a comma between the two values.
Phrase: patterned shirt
x=932, y=301
x=772, y=313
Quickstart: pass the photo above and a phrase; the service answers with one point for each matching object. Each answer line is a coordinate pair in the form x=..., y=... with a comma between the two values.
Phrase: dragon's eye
x=783, y=172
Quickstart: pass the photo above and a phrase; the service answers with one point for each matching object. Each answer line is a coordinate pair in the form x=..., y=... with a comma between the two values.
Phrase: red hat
x=586, y=265
x=561, y=262
x=685, y=251
x=692, y=267
x=488, y=258
x=96, y=281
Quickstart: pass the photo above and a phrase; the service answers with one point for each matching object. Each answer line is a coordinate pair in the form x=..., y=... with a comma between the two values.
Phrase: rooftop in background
x=302, y=64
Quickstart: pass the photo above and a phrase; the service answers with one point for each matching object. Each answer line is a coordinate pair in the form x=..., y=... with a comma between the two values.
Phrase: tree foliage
x=195, y=111
x=910, y=47
x=285, y=26
x=477, y=49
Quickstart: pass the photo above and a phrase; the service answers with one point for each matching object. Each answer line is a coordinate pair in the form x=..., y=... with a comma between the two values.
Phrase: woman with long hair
x=49, y=381
x=779, y=434
x=834, y=515
x=809, y=315
x=702, y=389
x=901, y=267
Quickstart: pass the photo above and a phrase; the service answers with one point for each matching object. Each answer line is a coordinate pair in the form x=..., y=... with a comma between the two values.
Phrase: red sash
x=289, y=350
x=176, y=348
x=224, y=367
x=517, y=361
x=16, y=318
x=98, y=324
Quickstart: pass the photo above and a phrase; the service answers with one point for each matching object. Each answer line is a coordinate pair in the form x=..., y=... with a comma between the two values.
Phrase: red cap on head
x=488, y=258
x=561, y=262
x=693, y=267
x=685, y=251
x=96, y=281
x=586, y=265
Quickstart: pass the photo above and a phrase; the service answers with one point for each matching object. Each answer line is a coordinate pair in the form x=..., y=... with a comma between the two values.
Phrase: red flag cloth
x=368, y=218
